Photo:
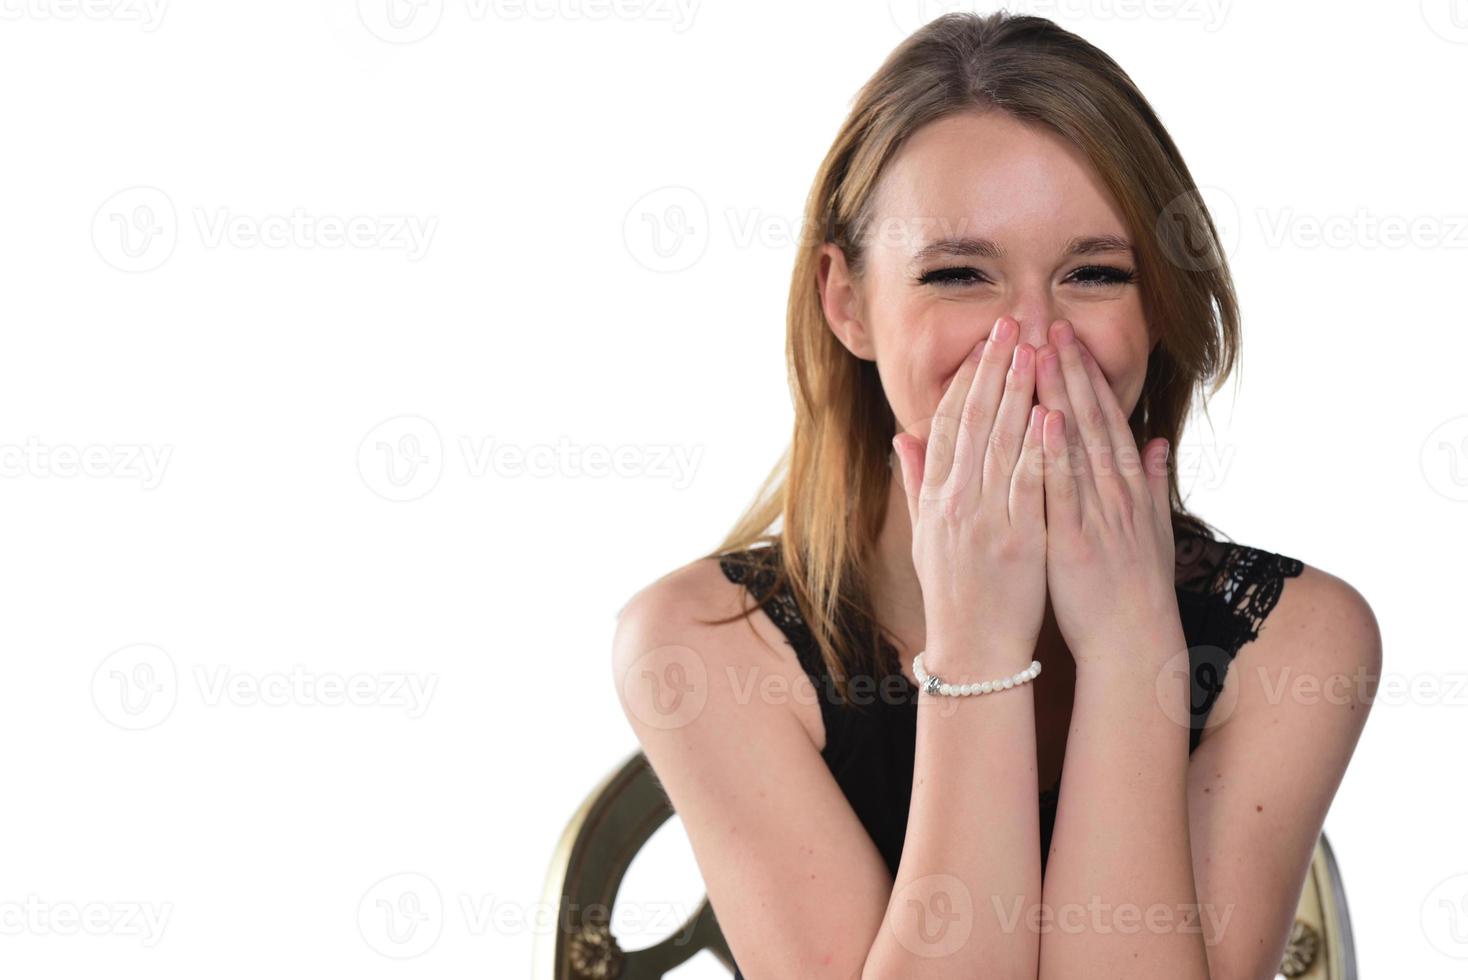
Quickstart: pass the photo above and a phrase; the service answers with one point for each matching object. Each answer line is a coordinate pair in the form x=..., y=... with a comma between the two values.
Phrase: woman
x=1017, y=292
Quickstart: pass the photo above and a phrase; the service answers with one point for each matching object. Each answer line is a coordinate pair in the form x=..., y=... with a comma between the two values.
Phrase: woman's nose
x=1034, y=327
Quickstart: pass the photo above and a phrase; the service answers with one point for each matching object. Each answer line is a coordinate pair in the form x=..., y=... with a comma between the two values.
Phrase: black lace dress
x=1224, y=591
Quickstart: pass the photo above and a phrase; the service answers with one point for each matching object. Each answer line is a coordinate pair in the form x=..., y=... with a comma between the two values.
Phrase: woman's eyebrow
x=987, y=249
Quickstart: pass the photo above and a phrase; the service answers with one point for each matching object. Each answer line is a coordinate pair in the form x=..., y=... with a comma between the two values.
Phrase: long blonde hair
x=830, y=487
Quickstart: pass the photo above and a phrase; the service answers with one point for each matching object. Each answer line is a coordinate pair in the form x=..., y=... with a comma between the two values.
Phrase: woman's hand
x=975, y=497
x=1109, y=546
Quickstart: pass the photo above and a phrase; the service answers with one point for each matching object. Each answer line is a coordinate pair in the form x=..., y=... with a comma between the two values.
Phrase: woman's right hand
x=975, y=497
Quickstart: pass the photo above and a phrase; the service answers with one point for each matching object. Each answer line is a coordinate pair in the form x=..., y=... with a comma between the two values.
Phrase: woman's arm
x=795, y=880
x=1120, y=900
x=968, y=885
x=799, y=888
x=1258, y=788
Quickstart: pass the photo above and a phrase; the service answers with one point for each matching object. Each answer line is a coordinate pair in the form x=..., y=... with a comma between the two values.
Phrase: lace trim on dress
x=1247, y=581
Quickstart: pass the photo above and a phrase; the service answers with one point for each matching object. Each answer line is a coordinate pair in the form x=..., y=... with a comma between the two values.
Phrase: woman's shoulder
x=704, y=588
x=691, y=621
x=1259, y=587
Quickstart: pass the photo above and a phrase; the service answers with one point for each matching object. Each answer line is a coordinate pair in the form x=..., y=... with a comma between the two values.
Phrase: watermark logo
x=409, y=21
x=1203, y=669
x=666, y=687
x=402, y=458
x=138, y=686
x=1363, y=229
x=122, y=461
x=401, y=916
x=400, y=21
x=135, y=687
x=147, y=14
x=1448, y=19
x=940, y=915
x=1445, y=917
x=1445, y=458
x=302, y=688
x=667, y=230
x=34, y=916
x=136, y=229
x=1182, y=229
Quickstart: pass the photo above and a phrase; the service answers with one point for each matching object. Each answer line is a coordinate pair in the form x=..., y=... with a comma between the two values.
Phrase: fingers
x=1085, y=409
x=1127, y=460
x=1026, y=492
x=1155, y=454
x=981, y=410
x=1054, y=395
x=910, y=452
x=943, y=431
x=1062, y=489
x=1006, y=436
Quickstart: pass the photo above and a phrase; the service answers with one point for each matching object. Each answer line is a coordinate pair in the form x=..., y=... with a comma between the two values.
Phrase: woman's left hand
x=1110, y=563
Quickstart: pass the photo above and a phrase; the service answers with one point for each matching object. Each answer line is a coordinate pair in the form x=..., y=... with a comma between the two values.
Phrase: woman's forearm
x=968, y=884
x=1120, y=899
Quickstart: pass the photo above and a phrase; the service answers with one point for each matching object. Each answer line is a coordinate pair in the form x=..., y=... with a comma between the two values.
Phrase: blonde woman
x=992, y=344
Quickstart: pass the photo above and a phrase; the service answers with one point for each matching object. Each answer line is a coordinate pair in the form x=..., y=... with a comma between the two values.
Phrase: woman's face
x=1023, y=197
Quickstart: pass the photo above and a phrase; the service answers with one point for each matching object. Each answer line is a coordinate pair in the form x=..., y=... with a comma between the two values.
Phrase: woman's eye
x=954, y=276
x=1104, y=275
x=1087, y=276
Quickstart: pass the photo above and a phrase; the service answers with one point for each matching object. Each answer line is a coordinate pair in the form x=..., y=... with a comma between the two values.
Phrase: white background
x=245, y=461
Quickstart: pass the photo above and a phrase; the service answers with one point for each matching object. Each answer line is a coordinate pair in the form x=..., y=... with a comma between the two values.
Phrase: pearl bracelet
x=933, y=684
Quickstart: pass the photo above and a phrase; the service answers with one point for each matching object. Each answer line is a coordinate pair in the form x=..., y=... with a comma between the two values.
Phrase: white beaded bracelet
x=933, y=684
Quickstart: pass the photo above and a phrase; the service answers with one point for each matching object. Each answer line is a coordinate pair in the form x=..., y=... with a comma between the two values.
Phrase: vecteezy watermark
x=909, y=15
x=667, y=229
x=1363, y=229
x=401, y=916
x=137, y=687
x=404, y=915
x=1100, y=917
x=1182, y=229
x=34, y=916
x=1445, y=458
x=403, y=458
x=408, y=21
x=656, y=920
x=939, y=915
x=1444, y=916
x=147, y=14
x=137, y=230
x=126, y=461
x=1448, y=19
x=667, y=687
x=299, y=687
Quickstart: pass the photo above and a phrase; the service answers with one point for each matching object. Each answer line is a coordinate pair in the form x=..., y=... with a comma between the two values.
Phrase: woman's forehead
x=981, y=177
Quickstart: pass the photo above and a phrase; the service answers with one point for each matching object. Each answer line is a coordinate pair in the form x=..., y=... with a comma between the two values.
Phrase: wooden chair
x=622, y=813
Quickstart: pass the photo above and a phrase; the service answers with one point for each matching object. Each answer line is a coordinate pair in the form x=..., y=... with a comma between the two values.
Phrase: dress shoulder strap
x=757, y=570
x=1244, y=582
